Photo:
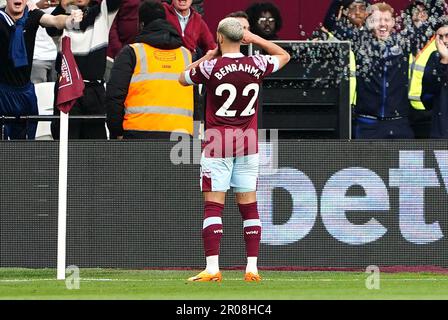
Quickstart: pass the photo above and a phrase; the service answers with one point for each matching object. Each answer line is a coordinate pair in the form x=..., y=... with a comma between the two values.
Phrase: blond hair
x=232, y=29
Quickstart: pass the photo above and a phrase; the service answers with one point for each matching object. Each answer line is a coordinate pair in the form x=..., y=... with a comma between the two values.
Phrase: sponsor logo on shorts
x=252, y=232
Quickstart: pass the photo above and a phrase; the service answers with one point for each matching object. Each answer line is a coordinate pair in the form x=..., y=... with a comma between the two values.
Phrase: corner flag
x=70, y=88
x=71, y=84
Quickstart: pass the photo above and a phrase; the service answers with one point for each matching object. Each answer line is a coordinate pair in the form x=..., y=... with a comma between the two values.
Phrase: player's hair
x=238, y=14
x=232, y=29
x=149, y=11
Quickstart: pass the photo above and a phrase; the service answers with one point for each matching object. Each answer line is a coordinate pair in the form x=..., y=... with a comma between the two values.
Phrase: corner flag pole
x=70, y=88
x=62, y=196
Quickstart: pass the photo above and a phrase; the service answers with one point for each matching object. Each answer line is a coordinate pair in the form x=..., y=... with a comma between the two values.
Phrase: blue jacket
x=435, y=95
x=382, y=75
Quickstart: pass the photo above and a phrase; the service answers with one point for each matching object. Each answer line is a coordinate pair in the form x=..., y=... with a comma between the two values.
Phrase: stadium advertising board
x=322, y=204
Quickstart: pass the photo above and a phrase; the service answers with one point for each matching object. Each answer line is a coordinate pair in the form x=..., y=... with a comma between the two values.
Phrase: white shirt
x=44, y=49
x=183, y=20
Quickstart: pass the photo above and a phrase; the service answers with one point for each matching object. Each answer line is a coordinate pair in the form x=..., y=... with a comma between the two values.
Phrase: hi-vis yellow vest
x=156, y=101
x=352, y=61
x=416, y=70
x=352, y=78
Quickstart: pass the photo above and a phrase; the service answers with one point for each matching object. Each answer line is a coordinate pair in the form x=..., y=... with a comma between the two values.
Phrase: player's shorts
x=220, y=174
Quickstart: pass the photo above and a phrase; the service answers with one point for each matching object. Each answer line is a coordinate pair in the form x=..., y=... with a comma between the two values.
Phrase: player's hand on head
x=248, y=37
x=211, y=54
x=244, y=41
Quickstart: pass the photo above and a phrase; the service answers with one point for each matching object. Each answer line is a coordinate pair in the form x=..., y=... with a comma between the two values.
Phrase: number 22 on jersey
x=226, y=108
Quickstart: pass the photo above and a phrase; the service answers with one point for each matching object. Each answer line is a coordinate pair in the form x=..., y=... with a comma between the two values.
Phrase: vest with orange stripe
x=156, y=101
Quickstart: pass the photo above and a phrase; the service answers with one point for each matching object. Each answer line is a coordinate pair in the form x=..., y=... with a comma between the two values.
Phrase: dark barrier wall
x=329, y=204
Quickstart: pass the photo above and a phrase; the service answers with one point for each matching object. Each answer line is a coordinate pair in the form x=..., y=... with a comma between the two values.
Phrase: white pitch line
x=225, y=279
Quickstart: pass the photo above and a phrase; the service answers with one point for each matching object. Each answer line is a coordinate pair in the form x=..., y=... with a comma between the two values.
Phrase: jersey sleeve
x=201, y=74
x=268, y=64
x=34, y=18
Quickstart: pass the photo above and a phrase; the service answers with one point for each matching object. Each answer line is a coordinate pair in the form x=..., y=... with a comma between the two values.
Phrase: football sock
x=212, y=264
x=252, y=234
x=252, y=265
x=212, y=234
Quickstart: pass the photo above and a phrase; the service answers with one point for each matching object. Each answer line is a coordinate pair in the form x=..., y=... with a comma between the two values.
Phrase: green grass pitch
x=114, y=284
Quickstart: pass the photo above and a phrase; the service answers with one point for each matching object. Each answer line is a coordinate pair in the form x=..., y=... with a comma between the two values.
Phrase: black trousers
x=421, y=123
x=383, y=129
x=92, y=103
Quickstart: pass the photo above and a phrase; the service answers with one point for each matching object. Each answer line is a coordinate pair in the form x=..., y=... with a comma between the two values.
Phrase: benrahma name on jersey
x=238, y=67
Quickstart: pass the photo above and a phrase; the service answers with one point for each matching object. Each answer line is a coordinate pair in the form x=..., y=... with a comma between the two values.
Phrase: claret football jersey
x=233, y=83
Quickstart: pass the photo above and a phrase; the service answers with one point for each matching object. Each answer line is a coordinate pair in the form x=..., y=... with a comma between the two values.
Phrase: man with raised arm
x=89, y=46
x=230, y=153
x=19, y=23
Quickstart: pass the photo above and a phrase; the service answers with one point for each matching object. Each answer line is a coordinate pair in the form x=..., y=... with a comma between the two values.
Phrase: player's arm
x=269, y=47
x=211, y=54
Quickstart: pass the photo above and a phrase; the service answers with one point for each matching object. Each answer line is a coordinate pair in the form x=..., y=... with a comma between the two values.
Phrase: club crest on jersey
x=238, y=67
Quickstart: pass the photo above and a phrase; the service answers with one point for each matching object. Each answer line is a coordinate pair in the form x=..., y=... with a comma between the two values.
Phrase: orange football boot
x=252, y=277
x=204, y=276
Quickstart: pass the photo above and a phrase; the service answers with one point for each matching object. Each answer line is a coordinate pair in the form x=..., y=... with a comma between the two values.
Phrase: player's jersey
x=233, y=83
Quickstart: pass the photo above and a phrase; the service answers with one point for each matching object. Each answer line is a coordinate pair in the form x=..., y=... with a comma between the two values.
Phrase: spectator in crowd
x=242, y=17
x=345, y=15
x=2, y=3
x=89, y=49
x=421, y=17
x=342, y=17
x=196, y=35
x=123, y=31
x=143, y=100
x=18, y=27
x=417, y=13
x=125, y=27
x=382, y=58
x=197, y=5
x=43, y=69
x=265, y=20
x=435, y=83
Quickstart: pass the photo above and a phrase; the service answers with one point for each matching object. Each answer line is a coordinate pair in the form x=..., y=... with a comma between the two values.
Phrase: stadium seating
x=45, y=98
